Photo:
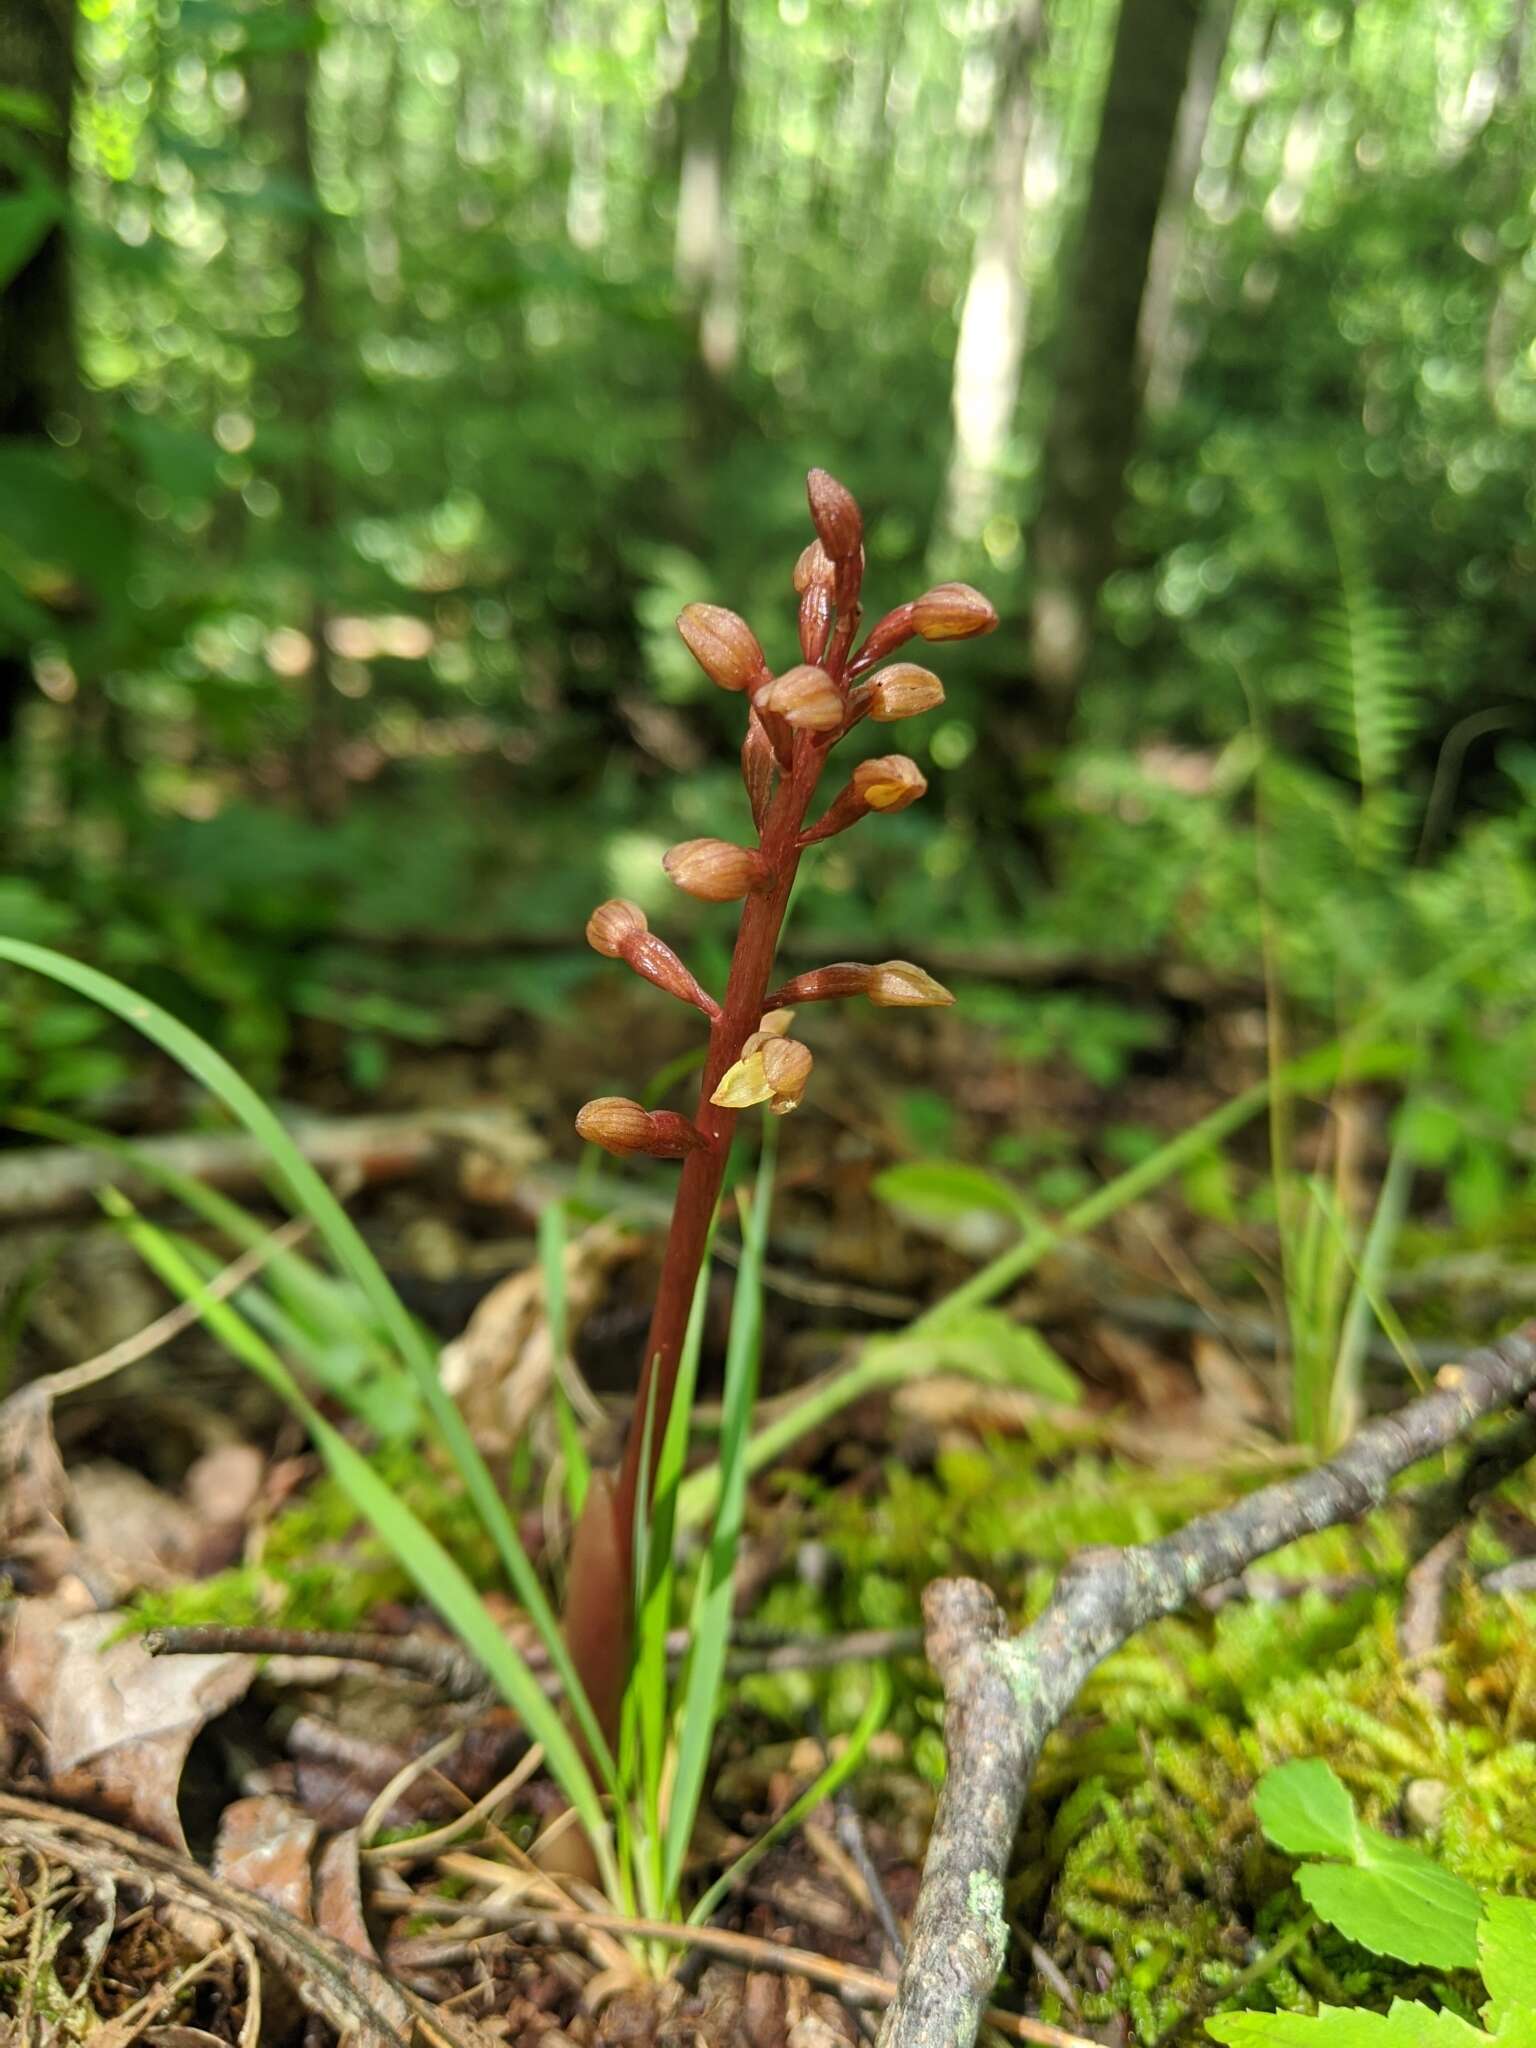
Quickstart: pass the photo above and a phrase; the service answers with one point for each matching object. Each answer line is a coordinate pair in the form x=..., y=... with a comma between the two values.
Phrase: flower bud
x=655, y=960
x=815, y=621
x=892, y=985
x=890, y=782
x=884, y=637
x=898, y=985
x=612, y=923
x=834, y=514
x=952, y=611
x=902, y=691
x=723, y=645
x=618, y=928
x=805, y=697
x=714, y=870
x=826, y=984
x=771, y=1069
x=813, y=567
x=624, y=1127
x=757, y=766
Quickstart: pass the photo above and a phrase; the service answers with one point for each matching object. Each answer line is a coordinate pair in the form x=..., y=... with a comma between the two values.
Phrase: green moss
x=1138, y=1839
x=321, y=1567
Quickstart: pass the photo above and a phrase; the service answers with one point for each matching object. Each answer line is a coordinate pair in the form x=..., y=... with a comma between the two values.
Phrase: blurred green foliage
x=347, y=582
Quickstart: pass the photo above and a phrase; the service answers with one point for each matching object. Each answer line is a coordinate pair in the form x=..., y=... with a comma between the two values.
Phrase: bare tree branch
x=1004, y=1694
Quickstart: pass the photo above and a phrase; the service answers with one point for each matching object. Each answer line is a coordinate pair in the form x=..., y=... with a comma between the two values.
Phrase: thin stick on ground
x=74, y=1379
x=1005, y=1694
x=752, y=1949
x=456, y=1674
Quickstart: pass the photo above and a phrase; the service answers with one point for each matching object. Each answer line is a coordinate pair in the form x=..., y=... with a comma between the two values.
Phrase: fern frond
x=1368, y=691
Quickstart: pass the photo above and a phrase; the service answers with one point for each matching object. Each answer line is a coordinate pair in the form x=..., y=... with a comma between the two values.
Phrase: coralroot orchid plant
x=629, y=1751
x=794, y=720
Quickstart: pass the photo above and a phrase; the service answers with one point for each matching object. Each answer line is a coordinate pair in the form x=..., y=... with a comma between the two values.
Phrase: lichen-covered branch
x=1005, y=1694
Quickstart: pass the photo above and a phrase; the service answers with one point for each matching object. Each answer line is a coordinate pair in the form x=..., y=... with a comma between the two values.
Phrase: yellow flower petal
x=742, y=1085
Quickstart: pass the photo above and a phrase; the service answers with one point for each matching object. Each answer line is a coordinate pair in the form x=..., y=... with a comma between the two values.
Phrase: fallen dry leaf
x=264, y=1845
x=114, y=1723
x=501, y=1368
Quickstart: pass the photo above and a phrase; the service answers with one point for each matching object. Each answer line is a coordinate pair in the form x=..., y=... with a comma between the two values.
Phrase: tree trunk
x=302, y=373
x=37, y=351
x=990, y=347
x=705, y=253
x=1094, y=416
x=1164, y=345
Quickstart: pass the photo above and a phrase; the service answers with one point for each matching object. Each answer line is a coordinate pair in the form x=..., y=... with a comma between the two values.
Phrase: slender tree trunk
x=37, y=351
x=303, y=374
x=1163, y=344
x=705, y=252
x=1094, y=416
x=990, y=347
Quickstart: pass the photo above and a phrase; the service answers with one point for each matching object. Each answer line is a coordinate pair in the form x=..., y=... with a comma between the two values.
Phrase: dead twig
x=1005, y=1694
x=57, y=1179
x=74, y=1379
x=456, y=1674
x=844, y=1978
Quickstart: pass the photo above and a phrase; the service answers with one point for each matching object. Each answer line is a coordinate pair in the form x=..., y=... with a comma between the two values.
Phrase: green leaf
x=939, y=1191
x=830, y=1780
x=311, y=1196
x=1506, y=1947
x=439, y=1577
x=1398, y=1905
x=25, y=219
x=988, y=1345
x=1405, y=2026
x=1386, y=1895
x=712, y=1602
x=1305, y=1810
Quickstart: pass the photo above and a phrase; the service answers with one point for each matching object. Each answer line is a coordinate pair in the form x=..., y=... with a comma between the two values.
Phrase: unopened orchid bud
x=952, y=611
x=827, y=984
x=890, y=782
x=655, y=960
x=815, y=621
x=813, y=567
x=891, y=985
x=714, y=870
x=902, y=691
x=771, y=1069
x=884, y=637
x=757, y=765
x=898, y=985
x=619, y=929
x=625, y=1128
x=723, y=645
x=835, y=515
x=805, y=697
x=612, y=924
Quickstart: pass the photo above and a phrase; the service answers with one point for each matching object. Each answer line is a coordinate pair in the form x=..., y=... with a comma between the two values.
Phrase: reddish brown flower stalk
x=795, y=718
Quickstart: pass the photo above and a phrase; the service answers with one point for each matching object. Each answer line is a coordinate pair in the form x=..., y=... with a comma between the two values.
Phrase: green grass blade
x=711, y=1619
x=830, y=1781
x=328, y=1304
x=552, y=1242
x=313, y=1198
x=658, y=1581
x=417, y=1550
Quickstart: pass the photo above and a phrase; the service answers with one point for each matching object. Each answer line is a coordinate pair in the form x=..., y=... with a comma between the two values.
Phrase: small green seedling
x=1382, y=1893
x=1392, y=1899
x=1506, y=1956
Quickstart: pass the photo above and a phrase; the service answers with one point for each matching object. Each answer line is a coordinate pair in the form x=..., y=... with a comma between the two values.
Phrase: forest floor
x=379, y=1810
